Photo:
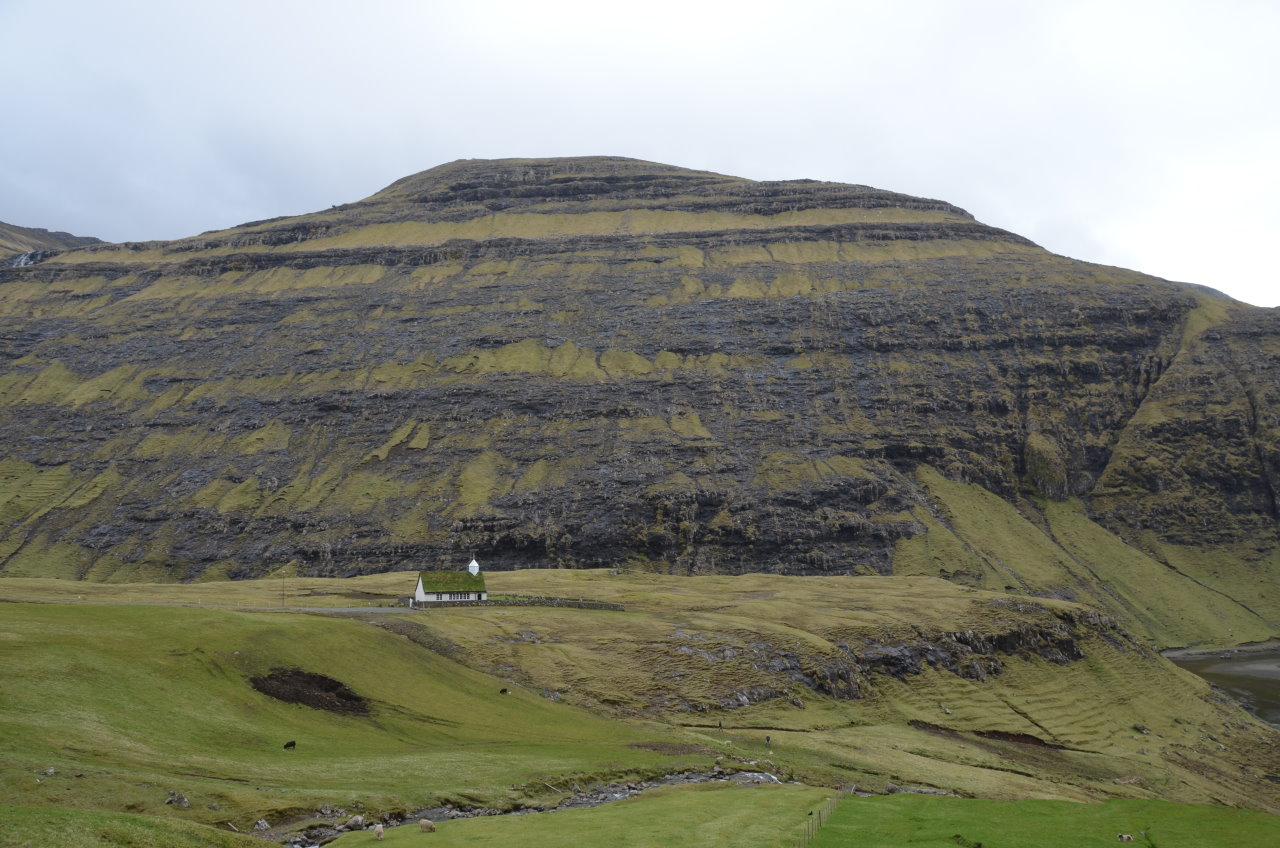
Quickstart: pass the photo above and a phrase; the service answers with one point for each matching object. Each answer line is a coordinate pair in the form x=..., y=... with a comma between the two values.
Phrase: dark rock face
x=1207, y=466
x=968, y=654
x=598, y=361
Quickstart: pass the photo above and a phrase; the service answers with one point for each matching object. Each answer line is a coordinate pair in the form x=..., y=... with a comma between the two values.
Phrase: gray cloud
x=1131, y=133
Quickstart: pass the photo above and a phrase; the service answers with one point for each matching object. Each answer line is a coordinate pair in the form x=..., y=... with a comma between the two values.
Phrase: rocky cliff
x=602, y=361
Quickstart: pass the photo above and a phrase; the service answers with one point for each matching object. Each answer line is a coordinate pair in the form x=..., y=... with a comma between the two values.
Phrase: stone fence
x=520, y=601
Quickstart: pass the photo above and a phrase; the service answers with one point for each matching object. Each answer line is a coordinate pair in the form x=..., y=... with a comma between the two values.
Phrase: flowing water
x=1253, y=679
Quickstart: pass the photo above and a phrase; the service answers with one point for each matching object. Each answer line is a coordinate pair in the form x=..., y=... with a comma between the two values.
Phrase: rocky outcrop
x=850, y=672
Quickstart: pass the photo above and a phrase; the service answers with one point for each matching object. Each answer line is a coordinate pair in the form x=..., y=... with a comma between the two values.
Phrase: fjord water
x=1253, y=679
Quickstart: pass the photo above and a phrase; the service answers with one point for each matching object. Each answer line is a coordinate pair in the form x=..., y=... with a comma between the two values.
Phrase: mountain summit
x=600, y=361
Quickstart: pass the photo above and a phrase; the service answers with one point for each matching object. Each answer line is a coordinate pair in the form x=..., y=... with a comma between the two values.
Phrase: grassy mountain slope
x=1052, y=548
x=603, y=362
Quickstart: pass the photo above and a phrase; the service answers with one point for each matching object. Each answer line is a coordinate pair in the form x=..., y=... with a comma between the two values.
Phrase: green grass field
x=707, y=816
x=927, y=822
x=44, y=827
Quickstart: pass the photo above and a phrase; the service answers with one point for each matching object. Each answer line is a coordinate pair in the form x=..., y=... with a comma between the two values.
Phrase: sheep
x=377, y=831
x=1124, y=837
x=427, y=826
x=290, y=745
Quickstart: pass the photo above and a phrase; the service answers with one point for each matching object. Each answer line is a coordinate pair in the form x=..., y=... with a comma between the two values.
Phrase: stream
x=320, y=834
x=1251, y=677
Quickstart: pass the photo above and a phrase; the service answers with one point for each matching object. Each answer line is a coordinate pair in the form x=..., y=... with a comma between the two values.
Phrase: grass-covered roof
x=451, y=581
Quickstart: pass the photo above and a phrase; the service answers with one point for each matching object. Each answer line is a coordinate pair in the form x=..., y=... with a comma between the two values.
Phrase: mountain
x=600, y=361
x=15, y=241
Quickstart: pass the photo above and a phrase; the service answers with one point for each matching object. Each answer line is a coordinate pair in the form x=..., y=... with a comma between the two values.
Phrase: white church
x=436, y=586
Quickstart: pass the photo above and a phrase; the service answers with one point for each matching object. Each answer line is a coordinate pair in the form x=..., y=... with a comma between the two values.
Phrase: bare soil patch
x=295, y=686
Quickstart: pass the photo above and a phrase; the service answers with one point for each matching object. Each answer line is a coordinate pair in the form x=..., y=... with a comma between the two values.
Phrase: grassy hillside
x=125, y=703
x=911, y=682
x=1052, y=548
x=850, y=678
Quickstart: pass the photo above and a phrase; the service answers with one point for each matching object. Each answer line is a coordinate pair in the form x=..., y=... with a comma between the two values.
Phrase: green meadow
x=708, y=816
x=40, y=827
x=925, y=822
x=718, y=817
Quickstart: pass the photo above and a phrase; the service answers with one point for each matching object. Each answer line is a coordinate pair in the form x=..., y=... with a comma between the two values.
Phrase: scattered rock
x=895, y=789
x=754, y=777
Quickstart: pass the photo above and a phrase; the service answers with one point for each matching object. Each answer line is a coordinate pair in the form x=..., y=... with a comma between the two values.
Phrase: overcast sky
x=1132, y=133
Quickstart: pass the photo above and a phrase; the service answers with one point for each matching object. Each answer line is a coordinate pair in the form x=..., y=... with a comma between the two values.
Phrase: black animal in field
x=290, y=745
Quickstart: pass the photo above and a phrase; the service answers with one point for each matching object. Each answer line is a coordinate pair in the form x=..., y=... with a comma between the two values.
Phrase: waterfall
x=31, y=257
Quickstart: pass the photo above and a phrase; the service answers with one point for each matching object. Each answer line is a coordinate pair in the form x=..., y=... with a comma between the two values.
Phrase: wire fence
x=818, y=817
